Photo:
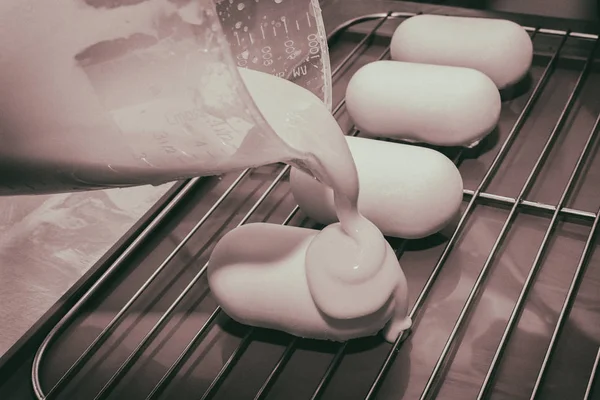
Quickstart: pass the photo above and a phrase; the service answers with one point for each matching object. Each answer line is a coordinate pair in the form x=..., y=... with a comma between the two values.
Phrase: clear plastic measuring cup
x=128, y=92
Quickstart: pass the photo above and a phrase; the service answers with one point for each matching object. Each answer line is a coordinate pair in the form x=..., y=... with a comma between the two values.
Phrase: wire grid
x=474, y=197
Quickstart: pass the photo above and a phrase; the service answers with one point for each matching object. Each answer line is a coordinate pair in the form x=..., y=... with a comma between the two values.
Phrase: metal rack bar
x=537, y=263
x=360, y=45
x=365, y=18
x=593, y=373
x=170, y=374
x=233, y=358
x=431, y=386
x=545, y=31
x=285, y=357
x=509, y=201
x=567, y=304
x=333, y=365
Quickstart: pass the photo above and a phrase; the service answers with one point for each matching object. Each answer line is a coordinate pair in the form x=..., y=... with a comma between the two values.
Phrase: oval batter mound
x=257, y=273
x=407, y=191
x=439, y=105
x=499, y=48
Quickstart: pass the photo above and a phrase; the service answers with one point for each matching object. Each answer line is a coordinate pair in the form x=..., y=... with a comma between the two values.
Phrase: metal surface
x=504, y=301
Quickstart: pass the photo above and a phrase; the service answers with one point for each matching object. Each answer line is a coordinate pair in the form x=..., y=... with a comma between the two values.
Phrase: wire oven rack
x=162, y=336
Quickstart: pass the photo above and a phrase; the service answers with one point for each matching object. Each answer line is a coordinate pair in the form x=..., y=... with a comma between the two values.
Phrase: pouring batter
x=347, y=271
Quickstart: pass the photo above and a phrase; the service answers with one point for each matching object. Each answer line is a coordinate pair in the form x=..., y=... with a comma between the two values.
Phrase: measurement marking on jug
x=262, y=30
x=290, y=50
x=237, y=37
x=267, y=56
x=313, y=46
x=284, y=24
x=308, y=19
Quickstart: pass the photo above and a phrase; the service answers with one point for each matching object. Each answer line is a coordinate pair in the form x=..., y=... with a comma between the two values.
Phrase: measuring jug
x=115, y=93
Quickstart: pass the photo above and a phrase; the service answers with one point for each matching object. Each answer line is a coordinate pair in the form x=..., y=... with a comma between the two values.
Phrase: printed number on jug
x=290, y=49
x=267, y=56
x=313, y=45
